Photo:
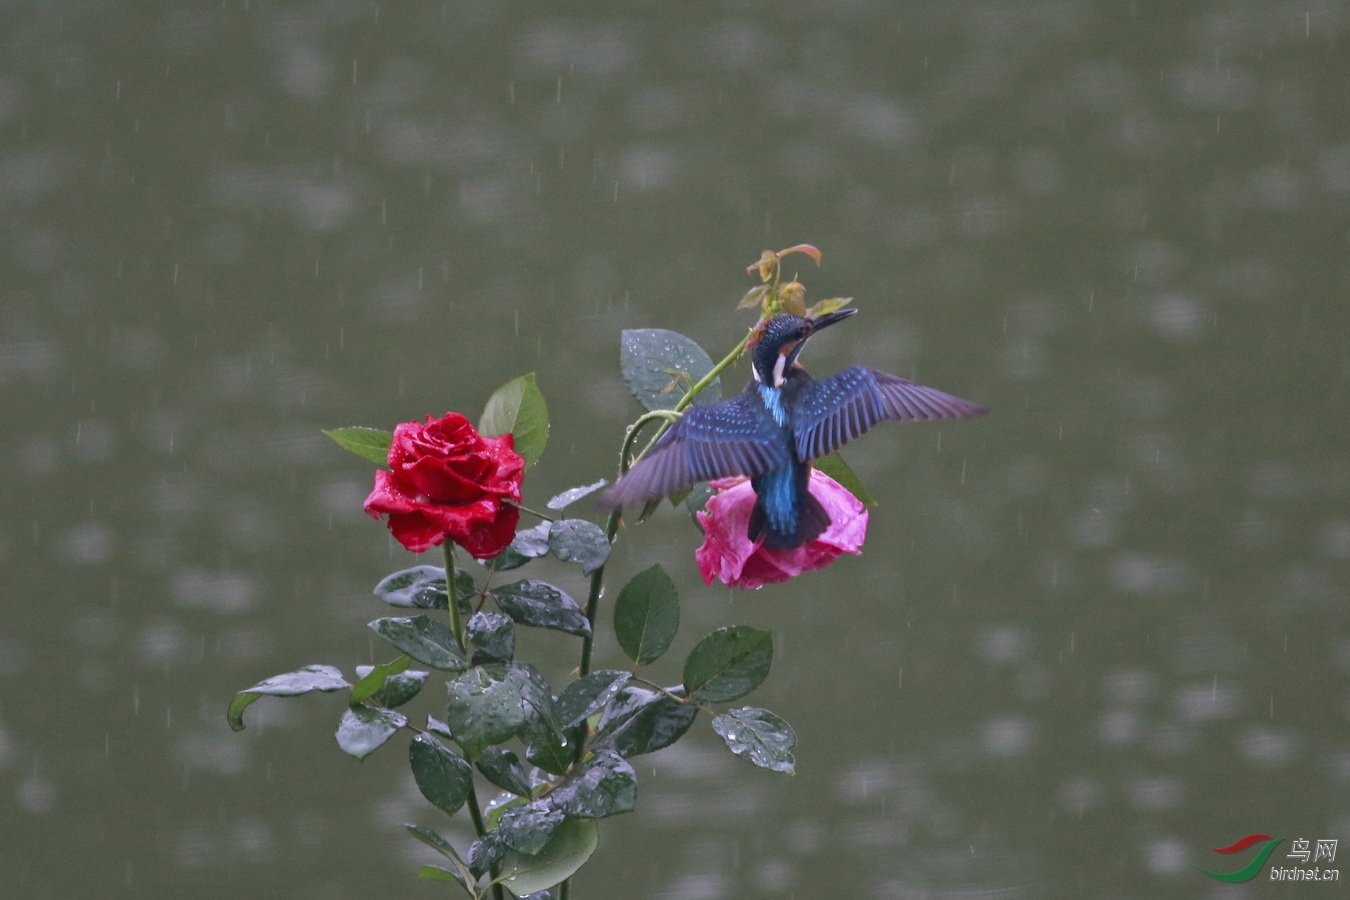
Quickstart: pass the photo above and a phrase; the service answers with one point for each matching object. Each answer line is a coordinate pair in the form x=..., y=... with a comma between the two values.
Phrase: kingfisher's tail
x=811, y=521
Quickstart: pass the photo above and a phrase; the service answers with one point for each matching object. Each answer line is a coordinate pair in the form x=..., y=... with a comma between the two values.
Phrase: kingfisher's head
x=783, y=338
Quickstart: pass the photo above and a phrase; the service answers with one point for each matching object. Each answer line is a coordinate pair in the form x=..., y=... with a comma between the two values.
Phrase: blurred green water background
x=1092, y=636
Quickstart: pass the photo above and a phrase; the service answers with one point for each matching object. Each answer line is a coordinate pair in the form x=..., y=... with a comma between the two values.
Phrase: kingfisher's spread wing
x=734, y=437
x=833, y=411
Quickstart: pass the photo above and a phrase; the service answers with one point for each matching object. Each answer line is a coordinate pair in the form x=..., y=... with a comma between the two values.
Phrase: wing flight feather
x=833, y=411
x=734, y=437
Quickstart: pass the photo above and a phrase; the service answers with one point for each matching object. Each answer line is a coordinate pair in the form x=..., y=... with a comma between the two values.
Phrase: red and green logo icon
x=1247, y=872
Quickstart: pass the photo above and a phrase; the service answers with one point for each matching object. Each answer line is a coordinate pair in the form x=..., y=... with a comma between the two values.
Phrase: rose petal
x=446, y=480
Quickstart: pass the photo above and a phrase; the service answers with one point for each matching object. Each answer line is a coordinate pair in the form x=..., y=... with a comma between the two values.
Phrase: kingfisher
x=776, y=428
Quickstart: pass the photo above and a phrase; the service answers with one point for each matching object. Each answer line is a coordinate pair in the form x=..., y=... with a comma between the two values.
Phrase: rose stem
x=524, y=508
x=457, y=626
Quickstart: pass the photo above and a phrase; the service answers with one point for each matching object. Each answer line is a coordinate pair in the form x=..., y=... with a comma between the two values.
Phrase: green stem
x=612, y=528
x=535, y=513
x=456, y=623
x=480, y=830
x=457, y=626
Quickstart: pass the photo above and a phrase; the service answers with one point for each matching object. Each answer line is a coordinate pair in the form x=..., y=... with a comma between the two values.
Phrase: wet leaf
x=290, y=684
x=425, y=639
x=503, y=768
x=729, y=663
x=444, y=778
x=372, y=678
x=659, y=367
x=579, y=541
x=567, y=498
x=399, y=689
x=640, y=721
x=370, y=444
x=423, y=587
x=518, y=408
x=486, y=851
x=436, y=726
x=588, y=695
x=541, y=605
x=500, y=804
x=567, y=850
x=436, y=873
x=435, y=842
x=835, y=467
x=548, y=750
x=492, y=704
x=605, y=785
x=759, y=736
x=527, y=828
x=647, y=615
x=492, y=636
x=698, y=498
x=528, y=544
x=363, y=729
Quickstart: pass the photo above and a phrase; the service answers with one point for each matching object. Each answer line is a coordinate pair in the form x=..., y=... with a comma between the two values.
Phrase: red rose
x=447, y=480
x=729, y=555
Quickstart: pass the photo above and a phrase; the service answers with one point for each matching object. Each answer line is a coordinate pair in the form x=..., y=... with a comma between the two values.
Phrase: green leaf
x=729, y=663
x=425, y=639
x=363, y=729
x=567, y=850
x=527, y=828
x=518, y=408
x=825, y=307
x=589, y=694
x=528, y=544
x=549, y=751
x=444, y=778
x=835, y=467
x=503, y=768
x=640, y=721
x=423, y=587
x=660, y=366
x=499, y=804
x=368, y=443
x=493, y=637
x=399, y=689
x=698, y=498
x=759, y=736
x=567, y=498
x=436, y=873
x=374, y=677
x=579, y=541
x=753, y=297
x=492, y=704
x=485, y=851
x=647, y=615
x=291, y=684
x=436, y=726
x=605, y=785
x=541, y=605
x=433, y=840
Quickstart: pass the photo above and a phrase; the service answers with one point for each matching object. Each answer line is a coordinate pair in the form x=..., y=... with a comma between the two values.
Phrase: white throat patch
x=779, y=368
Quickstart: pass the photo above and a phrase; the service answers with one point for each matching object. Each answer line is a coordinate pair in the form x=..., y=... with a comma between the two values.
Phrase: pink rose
x=729, y=555
x=447, y=480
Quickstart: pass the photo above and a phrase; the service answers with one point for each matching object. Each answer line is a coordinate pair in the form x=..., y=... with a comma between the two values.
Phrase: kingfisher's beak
x=828, y=319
